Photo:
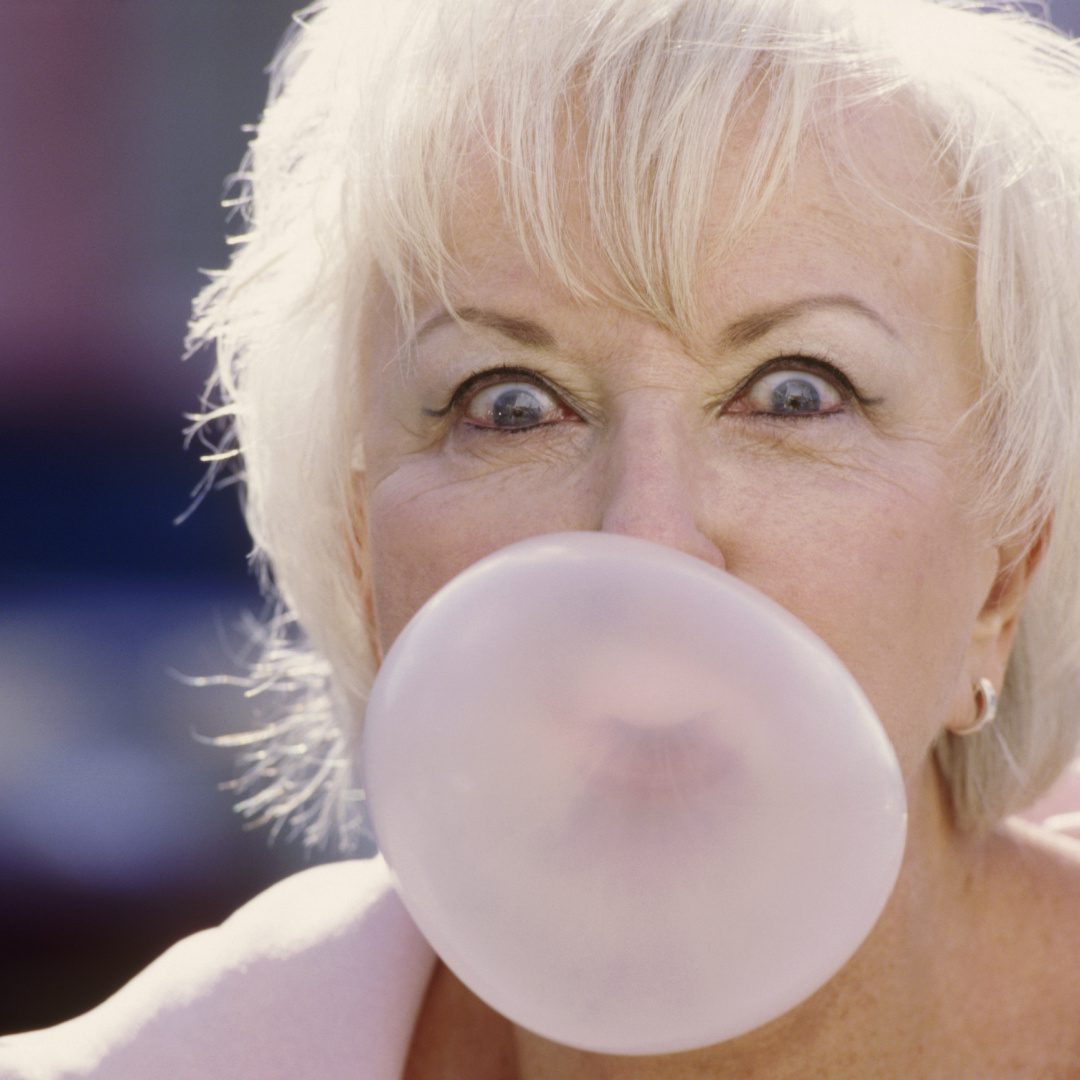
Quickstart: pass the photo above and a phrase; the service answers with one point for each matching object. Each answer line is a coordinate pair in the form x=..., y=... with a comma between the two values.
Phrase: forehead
x=863, y=201
x=866, y=205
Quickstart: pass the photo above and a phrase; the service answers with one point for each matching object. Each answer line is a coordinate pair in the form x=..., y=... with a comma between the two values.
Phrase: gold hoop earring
x=986, y=702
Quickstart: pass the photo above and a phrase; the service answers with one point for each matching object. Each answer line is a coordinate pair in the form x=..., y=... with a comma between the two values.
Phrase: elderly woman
x=787, y=285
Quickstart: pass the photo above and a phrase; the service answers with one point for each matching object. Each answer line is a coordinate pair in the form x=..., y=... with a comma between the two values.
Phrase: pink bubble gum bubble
x=635, y=805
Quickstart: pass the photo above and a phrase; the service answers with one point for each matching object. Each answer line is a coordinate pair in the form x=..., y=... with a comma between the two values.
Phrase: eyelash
x=820, y=366
x=810, y=364
x=481, y=380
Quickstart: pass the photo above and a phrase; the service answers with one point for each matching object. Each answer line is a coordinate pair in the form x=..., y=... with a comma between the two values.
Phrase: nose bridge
x=653, y=483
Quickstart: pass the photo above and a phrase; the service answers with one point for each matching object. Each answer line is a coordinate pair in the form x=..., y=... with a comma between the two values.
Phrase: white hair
x=376, y=111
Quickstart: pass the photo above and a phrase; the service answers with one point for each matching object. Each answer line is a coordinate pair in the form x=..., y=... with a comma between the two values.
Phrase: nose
x=654, y=488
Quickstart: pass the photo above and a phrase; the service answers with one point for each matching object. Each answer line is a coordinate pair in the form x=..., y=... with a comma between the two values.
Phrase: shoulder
x=1036, y=940
x=1059, y=809
x=315, y=976
x=1043, y=867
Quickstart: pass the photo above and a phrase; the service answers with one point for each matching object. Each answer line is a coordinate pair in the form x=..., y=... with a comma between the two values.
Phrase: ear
x=995, y=627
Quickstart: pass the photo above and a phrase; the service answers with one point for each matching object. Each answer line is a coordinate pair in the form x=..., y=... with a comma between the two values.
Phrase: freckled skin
x=853, y=521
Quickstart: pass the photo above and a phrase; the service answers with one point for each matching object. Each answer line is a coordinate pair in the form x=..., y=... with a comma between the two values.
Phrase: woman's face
x=813, y=447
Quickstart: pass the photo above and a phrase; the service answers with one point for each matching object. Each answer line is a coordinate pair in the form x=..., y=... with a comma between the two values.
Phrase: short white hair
x=375, y=111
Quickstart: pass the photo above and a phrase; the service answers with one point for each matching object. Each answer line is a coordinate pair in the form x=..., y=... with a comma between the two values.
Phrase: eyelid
x=811, y=365
x=480, y=380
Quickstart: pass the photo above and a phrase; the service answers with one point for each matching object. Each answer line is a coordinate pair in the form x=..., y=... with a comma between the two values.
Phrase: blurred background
x=119, y=120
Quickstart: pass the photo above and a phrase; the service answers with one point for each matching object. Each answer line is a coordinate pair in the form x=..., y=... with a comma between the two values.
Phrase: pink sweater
x=320, y=976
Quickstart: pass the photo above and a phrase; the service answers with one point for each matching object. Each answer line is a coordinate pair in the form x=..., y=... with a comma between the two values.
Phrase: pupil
x=796, y=396
x=516, y=408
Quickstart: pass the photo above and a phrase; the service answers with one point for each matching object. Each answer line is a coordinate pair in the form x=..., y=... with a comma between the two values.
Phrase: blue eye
x=512, y=406
x=789, y=392
x=798, y=395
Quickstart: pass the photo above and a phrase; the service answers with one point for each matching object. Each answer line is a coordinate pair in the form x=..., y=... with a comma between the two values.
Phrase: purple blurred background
x=119, y=121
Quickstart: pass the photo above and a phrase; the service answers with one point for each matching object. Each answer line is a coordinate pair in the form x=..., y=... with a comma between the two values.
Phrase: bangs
x=619, y=116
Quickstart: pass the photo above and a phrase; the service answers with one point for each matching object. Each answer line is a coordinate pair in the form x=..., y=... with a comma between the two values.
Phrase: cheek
x=889, y=581
x=425, y=527
x=414, y=551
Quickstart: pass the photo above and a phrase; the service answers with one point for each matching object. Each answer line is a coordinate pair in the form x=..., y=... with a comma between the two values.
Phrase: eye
x=507, y=400
x=510, y=407
x=791, y=388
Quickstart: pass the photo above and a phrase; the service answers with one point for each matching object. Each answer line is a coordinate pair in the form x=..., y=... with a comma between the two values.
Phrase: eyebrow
x=751, y=327
x=523, y=331
x=740, y=333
